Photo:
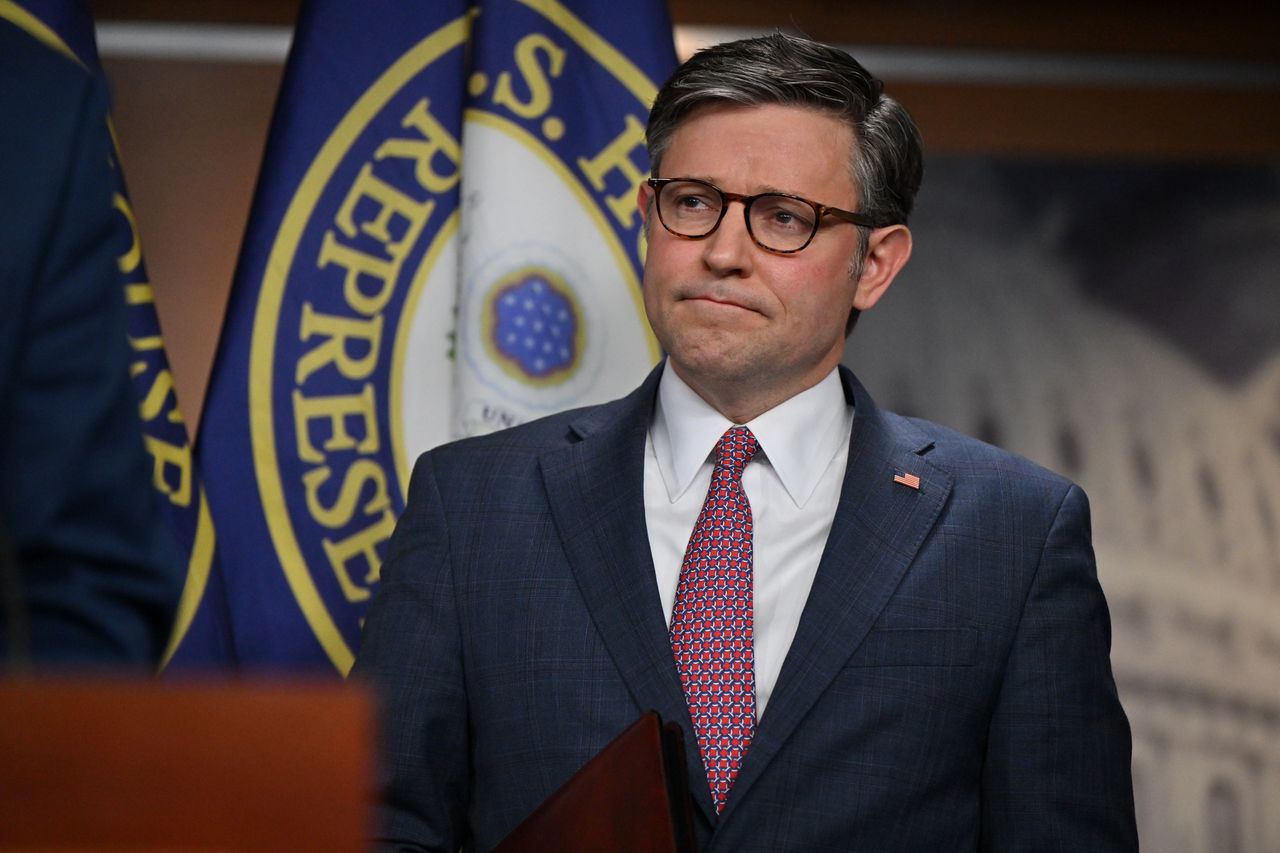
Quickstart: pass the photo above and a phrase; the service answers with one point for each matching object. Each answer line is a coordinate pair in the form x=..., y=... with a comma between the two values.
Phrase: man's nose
x=729, y=250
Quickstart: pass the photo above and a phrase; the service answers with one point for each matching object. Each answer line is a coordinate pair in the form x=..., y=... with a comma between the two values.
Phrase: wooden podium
x=91, y=765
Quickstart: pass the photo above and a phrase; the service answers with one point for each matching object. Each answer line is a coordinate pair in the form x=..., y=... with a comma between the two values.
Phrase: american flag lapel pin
x=911, y=481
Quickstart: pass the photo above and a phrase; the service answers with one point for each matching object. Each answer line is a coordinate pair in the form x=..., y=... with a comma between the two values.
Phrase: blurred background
x=1096, y=285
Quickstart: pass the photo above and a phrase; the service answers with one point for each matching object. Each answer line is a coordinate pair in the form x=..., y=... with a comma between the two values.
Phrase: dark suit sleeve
x=99, y=574
x=1057, y=773
x=411, y=654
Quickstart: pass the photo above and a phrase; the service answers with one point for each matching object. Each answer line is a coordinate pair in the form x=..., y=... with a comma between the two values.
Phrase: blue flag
x=444, y=241
x=66, y=26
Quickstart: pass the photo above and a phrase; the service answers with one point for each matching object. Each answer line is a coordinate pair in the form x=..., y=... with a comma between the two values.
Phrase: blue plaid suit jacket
x=949, y=687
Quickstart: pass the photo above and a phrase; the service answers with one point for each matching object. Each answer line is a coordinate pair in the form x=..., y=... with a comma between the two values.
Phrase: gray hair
x=888, y=160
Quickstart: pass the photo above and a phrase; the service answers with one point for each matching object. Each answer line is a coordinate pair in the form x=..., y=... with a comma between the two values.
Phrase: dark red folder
x=632, y=796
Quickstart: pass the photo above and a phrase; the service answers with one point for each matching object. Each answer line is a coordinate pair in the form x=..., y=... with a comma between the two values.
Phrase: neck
x=744, y=401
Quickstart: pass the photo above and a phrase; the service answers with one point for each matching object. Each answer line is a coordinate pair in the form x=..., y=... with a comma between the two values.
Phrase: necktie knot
x=734, y=451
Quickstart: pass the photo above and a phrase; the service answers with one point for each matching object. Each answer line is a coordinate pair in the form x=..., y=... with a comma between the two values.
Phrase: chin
x=718, y=364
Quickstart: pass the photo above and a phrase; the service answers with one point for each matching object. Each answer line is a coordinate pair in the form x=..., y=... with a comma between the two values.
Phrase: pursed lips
x=715, y=300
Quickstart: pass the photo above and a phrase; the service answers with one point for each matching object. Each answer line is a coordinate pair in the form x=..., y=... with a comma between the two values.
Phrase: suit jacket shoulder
x=967, y=458
x=970, y=467
x=509, y=458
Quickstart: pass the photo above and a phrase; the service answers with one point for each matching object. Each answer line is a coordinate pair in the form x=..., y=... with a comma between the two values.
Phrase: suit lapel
x=596, y=490
x=879, y=526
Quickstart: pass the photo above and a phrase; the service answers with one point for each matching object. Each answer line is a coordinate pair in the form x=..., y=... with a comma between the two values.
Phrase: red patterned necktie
x=711, y=635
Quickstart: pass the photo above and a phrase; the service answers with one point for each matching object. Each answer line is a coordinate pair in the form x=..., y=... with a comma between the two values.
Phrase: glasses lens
x=781, y=223
x=689, y=208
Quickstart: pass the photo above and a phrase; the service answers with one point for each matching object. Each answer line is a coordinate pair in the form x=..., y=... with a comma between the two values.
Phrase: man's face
x=726, y=311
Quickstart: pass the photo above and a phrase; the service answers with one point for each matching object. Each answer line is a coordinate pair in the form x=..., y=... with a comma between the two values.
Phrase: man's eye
x=693, y=202
x=786, y=217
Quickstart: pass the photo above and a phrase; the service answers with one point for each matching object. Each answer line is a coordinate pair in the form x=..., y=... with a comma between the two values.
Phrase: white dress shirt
x=793, y=484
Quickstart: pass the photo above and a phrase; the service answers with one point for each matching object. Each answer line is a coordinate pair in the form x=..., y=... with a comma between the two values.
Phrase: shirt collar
x=798, y=437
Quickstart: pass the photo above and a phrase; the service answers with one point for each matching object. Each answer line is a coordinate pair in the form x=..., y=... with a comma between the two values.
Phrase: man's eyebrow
x=765, y=189
x=687, y=177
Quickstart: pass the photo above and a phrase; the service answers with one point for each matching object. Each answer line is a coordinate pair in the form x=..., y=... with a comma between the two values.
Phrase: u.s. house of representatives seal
x=416, y=294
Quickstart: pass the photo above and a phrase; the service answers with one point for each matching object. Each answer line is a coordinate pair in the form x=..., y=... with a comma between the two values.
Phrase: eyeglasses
x=777, y=222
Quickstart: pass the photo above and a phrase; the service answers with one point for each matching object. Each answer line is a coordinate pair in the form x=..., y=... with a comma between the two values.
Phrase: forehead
x=753, y=149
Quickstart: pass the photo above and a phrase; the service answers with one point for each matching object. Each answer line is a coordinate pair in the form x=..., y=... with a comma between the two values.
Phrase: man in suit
x=877, y=634
x=88, y=573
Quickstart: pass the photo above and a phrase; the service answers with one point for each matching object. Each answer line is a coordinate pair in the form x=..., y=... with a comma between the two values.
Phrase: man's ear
x=887, y=252
x=644, y=197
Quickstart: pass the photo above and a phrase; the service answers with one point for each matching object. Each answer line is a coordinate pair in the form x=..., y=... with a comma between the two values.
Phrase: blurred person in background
x=90, y=576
